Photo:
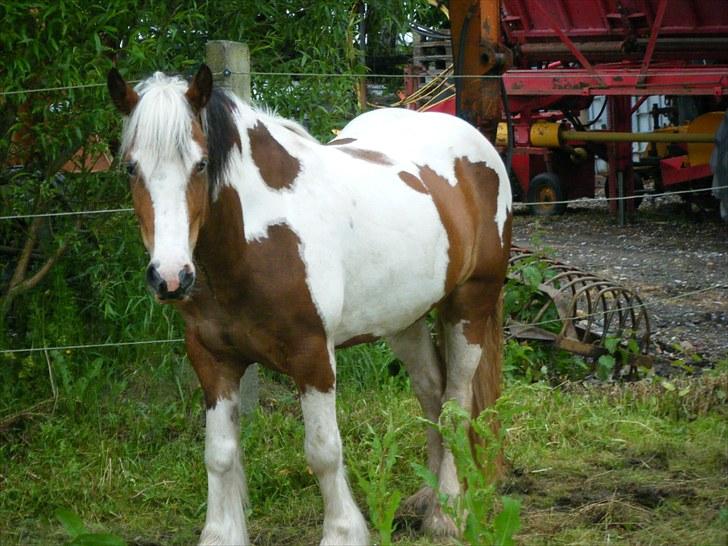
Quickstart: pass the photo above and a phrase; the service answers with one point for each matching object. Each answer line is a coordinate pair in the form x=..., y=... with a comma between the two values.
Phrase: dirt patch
x=675, y=259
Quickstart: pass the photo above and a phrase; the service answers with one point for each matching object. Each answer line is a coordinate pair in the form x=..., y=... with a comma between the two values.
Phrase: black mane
x=222, y=134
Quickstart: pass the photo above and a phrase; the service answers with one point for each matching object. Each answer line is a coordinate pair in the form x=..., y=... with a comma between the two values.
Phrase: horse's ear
x=123, y=96
x=200, y=88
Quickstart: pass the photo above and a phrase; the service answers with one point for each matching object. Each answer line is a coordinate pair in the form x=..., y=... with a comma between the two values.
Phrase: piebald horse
x=277, y=249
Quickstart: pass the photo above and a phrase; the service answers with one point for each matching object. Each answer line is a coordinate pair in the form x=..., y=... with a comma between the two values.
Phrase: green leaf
x=508, y=522
x=426, y=475
x=605, y=365
x=71, y=522
x=611, y=344
x=97, y=539
x=532, y=276
x=668, y=386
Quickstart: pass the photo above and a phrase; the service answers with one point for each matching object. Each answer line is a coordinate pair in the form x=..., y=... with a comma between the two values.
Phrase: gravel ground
x=665, y=253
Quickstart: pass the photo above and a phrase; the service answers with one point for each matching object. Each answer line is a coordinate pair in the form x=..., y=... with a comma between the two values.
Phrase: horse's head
x=164, y=151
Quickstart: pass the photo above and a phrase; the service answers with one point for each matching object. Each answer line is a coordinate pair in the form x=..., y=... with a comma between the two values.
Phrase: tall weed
x=482, y=517
x=374, y=477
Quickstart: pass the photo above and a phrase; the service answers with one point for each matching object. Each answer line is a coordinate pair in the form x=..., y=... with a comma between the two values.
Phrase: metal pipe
x=615, y=136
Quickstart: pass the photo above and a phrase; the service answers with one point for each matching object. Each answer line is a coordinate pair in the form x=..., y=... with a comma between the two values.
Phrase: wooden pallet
x=433, y=56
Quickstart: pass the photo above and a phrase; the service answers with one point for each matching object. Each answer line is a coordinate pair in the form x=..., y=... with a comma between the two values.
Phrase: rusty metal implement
x=590, y=310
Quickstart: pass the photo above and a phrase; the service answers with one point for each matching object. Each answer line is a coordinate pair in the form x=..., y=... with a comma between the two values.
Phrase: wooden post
x=230, y=65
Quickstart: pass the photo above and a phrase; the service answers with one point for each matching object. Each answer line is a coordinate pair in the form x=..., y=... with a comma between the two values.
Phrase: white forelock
x=161, y=123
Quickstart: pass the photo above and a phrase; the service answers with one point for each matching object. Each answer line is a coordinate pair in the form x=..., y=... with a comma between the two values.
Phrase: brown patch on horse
x=458, y=216
x=493, y=253
x=368, y=155
x=198, y=201
x=218, y=380
x=198, y=136
x=340, y=141
x=277, y=167
x=246, y=308
x=467, y=210
x=197, y=192
x=144, y=210
x=413, y=182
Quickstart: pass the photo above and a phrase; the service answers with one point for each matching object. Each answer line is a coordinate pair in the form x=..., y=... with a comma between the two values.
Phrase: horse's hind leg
x=470, y=319
x=415, y=348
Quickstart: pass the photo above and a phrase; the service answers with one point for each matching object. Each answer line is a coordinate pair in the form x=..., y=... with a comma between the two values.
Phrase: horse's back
x=426, y=217
x=431, y=137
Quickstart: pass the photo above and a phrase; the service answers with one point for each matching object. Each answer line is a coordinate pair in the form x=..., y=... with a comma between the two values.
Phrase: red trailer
x=555, y=56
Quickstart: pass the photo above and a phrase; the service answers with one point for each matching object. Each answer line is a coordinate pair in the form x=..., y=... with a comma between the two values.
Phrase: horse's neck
x=256, y=158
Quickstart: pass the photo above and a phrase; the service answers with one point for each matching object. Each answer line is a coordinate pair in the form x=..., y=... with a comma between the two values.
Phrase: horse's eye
x=201, y=165
x=131, y=168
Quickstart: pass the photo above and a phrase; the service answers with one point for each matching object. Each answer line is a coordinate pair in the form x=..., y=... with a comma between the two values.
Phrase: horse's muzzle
x=175, y=290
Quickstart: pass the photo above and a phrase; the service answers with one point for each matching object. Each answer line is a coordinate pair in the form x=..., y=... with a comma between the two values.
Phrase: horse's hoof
x=347, y=532
x=419, y=504
x=440, y=524
x=214, y=536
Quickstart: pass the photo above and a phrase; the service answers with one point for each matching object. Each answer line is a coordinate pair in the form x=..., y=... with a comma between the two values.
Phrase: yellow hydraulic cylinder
x=545, y=134
x=554, y=135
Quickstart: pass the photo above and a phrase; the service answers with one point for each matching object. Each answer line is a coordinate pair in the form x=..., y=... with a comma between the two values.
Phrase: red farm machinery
x=527, y=70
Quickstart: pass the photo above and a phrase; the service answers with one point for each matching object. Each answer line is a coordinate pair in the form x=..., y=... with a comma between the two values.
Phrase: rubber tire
x=546, y=187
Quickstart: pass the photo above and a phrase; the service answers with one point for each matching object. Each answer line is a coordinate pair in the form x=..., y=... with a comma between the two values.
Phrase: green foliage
x=375, y=479
x=533, y=361
x=95, y=292
x=523, y=300
x=620, y=350
x=80, y=535
x=475, y=510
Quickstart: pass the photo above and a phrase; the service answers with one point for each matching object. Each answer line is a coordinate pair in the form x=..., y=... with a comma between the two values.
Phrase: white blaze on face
x=158, y=137
x=166, y=181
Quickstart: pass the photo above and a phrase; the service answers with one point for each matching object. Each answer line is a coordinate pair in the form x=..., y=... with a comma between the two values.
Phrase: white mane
x=161, y=122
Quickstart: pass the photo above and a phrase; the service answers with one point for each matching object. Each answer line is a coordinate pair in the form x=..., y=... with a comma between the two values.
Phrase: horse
x=277, y=249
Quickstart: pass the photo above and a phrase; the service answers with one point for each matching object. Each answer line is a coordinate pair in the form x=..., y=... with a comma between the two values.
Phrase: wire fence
x=529, y=203
x=522, y=74
x=180, y=340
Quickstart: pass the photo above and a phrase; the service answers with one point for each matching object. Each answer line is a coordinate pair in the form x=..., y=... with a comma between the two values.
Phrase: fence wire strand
x=522, y=74
x=180, y=340
x=525, y=203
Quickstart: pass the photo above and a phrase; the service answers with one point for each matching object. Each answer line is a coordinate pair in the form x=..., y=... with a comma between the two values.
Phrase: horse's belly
x=394, y=259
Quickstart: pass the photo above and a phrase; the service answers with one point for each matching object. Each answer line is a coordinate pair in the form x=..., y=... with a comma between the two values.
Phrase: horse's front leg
x=226, y=489
x=343, y=522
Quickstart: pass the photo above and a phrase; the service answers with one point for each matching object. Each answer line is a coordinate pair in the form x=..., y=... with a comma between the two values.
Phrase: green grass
x=617, y=465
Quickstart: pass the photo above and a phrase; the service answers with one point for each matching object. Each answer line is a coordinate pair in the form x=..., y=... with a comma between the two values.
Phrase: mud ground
x=673, y=255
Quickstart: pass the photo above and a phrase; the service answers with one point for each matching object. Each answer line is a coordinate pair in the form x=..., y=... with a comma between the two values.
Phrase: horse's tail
x=487, y=380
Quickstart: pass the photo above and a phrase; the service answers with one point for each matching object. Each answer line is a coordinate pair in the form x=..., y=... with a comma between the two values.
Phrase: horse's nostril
x=186, y=278
x=170, y=289
x=155, y=281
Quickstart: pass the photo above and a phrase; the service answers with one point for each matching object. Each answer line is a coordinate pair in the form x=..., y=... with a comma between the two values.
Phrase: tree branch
x=32, y=282
x=21, y=267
